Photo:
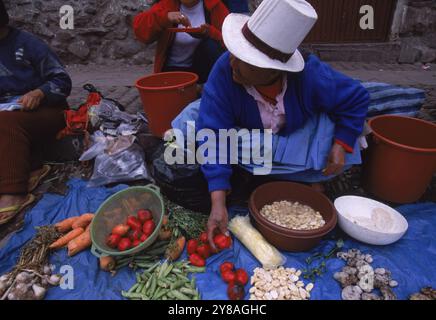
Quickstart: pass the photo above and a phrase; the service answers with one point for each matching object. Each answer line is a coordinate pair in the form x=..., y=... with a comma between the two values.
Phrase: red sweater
x=151, y=25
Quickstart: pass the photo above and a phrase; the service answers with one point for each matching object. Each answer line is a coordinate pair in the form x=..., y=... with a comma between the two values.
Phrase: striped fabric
x=391, y=99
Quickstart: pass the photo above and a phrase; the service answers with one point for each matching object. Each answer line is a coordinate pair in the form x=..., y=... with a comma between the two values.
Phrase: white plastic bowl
x=354, y=217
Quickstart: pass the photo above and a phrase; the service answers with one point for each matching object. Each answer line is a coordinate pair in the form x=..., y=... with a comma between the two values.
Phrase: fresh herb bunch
x=184, y=221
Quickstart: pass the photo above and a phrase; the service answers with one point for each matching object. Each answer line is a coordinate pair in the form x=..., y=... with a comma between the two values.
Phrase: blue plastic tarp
x=411, y=260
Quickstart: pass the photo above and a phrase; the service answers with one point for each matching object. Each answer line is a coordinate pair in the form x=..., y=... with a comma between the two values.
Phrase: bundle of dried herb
x=32, y=275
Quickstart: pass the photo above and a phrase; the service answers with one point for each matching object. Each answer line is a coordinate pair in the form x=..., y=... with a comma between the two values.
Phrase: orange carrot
x=165, y=232
x=79, y=243
x=107, y=263
x=62, y=241
x=65, y=225
x=165, y=220
x=83, y=221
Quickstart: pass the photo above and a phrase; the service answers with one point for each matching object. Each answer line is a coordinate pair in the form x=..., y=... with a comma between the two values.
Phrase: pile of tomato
x=236, y=280
x=133, y=232
x=199, y=249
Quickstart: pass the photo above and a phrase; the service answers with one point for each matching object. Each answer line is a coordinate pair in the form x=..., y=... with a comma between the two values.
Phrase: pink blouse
x=273, y=116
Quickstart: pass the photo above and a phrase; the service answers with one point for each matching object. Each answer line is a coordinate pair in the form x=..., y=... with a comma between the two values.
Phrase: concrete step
x=386, y=52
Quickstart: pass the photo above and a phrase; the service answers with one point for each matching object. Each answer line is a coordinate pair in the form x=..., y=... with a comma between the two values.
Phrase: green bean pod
x=180, y=295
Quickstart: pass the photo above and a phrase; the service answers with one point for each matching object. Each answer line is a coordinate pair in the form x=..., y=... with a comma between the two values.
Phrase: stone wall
x=417, y=31
x=102, y=32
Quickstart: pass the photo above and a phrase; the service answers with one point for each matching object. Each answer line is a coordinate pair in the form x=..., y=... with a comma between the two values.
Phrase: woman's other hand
x=31, y=100
x=179, y=18
x=204, y=32
x=336, y=161
x=219, y=218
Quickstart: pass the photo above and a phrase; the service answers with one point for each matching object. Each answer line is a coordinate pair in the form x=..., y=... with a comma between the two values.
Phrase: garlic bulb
x=39, y=292
x=23, y=277
x=54, y=280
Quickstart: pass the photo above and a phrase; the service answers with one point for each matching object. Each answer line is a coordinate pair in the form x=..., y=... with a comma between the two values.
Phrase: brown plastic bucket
x=284, y=238
x=402, y=158
x=164, y=95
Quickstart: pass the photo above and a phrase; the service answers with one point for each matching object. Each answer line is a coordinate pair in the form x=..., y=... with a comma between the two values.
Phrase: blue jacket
x=26, y=64
x=318, y=88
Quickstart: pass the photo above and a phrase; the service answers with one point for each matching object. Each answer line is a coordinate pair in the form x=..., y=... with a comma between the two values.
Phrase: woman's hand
x=218, y=218
x=336, y=161
x=204, y=32
x=178, y=18
x=31, y=100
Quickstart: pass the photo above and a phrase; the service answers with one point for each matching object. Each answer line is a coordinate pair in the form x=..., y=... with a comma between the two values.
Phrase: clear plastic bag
x=119, y=144
x=99, y=144
x=108, y=117
x=128, y=165
x=268, y=256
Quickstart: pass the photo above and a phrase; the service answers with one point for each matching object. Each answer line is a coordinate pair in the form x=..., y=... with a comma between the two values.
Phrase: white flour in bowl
x=381, y=220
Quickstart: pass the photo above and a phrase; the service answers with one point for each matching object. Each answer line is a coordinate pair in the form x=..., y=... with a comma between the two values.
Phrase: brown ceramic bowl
x=284, y=238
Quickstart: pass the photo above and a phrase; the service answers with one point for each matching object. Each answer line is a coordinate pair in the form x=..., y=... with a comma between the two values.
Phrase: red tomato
x=136, y=242
x=136, y=235
x=241, y=277
x=120, y=229
x=143, y=237
x=203, y=237
x=228, y=276
x=124, y=244
x=113, y=240
x=191, y=246
x=222, y=241
x=148, y=227
x=204, y=250
x=235, y=292
x=144, y=215
x=225, y=266
x=196, y=260
x=133, y=223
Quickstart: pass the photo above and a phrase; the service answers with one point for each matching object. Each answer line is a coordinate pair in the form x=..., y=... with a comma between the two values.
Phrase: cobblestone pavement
x=117, y=82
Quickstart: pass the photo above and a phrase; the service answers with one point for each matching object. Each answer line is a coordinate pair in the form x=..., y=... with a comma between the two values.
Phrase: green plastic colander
x=116, y=209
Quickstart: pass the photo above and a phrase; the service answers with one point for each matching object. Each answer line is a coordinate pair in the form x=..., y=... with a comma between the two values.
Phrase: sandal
x=37, y=176
x=16, y=209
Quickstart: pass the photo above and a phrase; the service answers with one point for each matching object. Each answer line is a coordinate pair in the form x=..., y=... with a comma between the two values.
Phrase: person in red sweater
x=183, y=51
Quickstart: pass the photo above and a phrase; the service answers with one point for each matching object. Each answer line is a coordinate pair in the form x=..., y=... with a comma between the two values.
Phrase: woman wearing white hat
x=265, y=82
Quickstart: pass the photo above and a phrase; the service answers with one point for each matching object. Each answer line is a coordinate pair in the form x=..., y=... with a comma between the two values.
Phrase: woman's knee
x=9, y=122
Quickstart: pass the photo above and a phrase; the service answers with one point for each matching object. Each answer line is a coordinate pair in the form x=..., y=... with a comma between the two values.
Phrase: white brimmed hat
x=270, y=37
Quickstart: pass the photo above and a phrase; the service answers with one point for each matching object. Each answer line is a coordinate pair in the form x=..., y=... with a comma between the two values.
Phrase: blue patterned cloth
x=10, y=104
x=411, y=260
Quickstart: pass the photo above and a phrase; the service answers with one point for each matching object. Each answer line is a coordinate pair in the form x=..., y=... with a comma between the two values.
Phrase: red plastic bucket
x=164, y=95
x=402, y=158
